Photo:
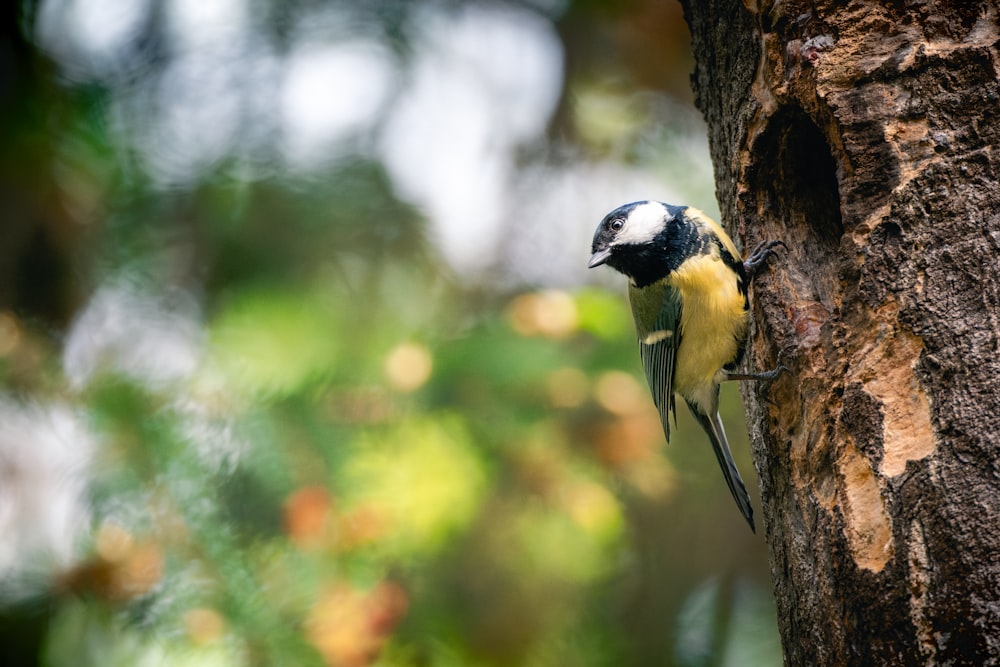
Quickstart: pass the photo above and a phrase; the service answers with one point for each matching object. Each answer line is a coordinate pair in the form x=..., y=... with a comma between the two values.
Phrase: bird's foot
x=767, y=377
x=764, y=377
x=758, y=258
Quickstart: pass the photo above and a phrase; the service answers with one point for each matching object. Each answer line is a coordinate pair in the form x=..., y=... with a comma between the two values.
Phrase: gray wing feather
x=657, y=312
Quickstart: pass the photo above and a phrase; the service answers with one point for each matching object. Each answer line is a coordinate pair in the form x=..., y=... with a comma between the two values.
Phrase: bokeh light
x=300, y=360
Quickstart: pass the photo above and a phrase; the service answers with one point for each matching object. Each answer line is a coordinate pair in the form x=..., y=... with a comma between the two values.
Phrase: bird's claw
x=758, y=258
x=767, y=377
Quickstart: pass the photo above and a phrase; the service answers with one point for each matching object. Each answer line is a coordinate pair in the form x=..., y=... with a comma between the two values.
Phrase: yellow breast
x=713, y=322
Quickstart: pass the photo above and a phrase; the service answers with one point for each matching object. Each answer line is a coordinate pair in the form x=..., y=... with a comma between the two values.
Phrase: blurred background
x=300, y=363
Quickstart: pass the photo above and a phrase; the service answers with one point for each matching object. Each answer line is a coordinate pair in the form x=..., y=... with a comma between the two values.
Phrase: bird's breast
x=714, y=322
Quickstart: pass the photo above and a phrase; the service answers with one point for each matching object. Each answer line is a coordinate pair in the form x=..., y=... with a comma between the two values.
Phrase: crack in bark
x=920, y=582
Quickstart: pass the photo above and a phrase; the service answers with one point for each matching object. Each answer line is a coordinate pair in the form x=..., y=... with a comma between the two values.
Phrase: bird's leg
x=767, y=377
x=758, y=258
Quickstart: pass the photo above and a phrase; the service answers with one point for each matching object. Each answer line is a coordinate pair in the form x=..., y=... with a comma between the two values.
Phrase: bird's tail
x=713, y=427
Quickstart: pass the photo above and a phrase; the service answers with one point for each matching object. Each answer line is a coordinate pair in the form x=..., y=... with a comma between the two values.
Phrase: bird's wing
x=657, y=312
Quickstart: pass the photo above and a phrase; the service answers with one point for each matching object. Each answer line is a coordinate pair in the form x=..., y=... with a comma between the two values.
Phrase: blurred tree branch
x=37, y=237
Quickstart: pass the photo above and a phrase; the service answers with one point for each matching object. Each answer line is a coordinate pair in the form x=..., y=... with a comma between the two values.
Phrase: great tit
x=688, y=292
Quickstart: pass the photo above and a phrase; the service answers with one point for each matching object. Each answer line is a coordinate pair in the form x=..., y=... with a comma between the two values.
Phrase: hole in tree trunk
x=796, y=177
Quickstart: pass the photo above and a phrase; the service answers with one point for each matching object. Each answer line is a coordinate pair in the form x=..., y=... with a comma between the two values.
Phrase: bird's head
x=641, y=240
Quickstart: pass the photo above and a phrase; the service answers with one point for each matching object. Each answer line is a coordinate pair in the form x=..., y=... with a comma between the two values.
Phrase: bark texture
x=866, y=135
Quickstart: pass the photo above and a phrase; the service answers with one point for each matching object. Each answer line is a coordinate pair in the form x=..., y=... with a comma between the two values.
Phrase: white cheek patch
x=643, y=224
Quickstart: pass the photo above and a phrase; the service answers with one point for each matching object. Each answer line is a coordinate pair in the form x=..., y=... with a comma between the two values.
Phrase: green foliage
x=368, y=459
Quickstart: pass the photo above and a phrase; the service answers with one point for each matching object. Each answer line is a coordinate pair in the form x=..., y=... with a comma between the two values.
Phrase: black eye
x=617, y=224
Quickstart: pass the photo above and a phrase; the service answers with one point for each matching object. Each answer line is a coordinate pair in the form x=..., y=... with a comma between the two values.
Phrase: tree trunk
x=866, y=136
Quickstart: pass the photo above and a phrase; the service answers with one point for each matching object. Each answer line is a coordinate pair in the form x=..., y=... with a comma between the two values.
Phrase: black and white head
x=644, y=240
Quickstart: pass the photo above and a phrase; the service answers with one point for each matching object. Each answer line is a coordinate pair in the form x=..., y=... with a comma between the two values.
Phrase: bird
x=688, y=295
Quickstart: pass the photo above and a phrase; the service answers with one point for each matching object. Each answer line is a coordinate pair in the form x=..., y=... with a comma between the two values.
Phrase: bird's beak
x=599, y=258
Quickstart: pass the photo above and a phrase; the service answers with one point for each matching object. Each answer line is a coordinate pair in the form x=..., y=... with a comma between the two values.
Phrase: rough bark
x=866, y=135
